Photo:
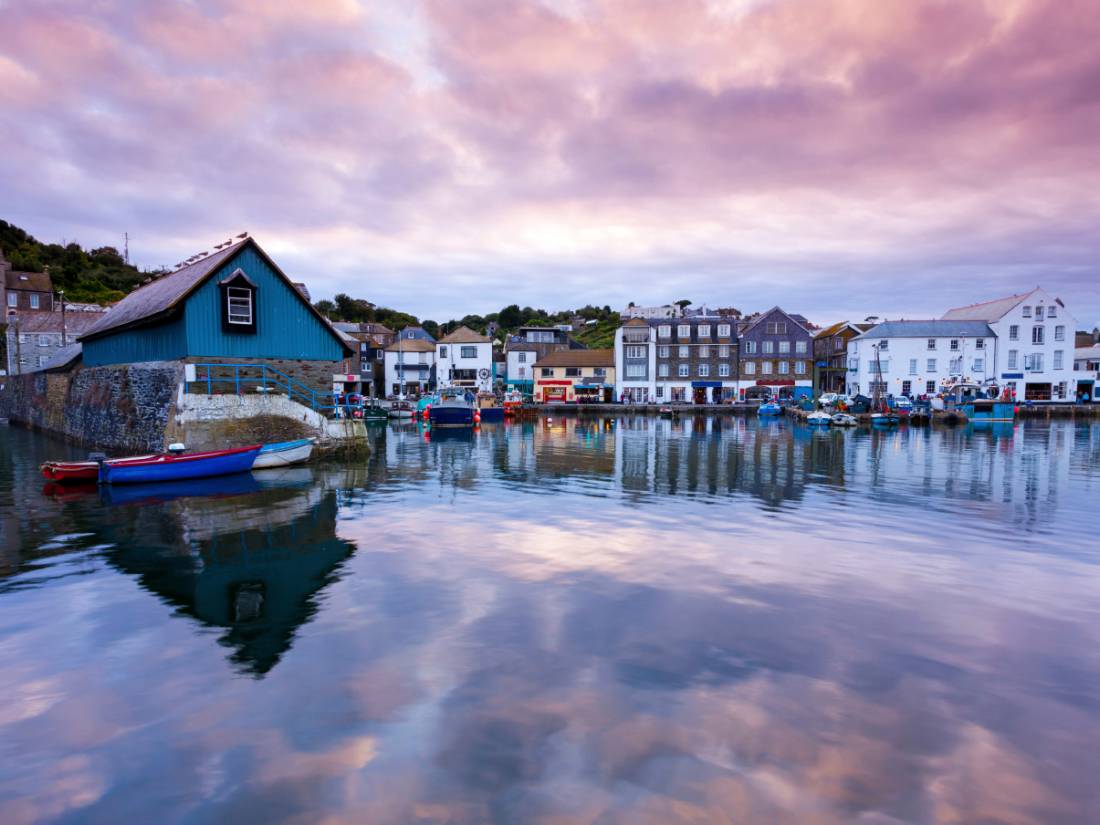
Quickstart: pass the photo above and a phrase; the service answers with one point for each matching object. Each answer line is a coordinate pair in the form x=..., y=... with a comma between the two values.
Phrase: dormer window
x=238, y=300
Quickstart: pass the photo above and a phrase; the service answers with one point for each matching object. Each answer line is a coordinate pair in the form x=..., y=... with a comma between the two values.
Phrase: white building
x=410, y=367
x=520, y=366
x=465, y=359
x=1086, y=369
x=636, y=361
x=665, y=311
x=917, y=357
x=1035, y=346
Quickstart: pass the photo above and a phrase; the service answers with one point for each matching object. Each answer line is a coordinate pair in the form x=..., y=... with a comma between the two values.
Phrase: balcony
x=636, y=337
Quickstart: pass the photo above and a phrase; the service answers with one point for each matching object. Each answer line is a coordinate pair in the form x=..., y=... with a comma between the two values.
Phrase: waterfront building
x=575, y=375
x=33, y=338
x=371, y=340
x=233, y=307
x=775, y=354
x=1086, y=372
x=410, y=366
x=635, y=361
x=683, y=360
x=915, y=358
x=1035, y=350
x=526, y=346
x=24, y=291
x=464, y=358
x=650, y=313
x=831, y=355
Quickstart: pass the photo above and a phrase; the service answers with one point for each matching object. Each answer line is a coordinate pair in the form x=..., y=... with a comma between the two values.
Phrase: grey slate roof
x=163, y=293
x=930, y=329
x=63, y=357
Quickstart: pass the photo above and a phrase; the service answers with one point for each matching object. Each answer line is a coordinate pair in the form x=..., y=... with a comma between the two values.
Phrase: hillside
x=96, y=276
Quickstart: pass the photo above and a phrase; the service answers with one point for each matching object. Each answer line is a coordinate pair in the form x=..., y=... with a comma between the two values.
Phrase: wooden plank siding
x=163, y=342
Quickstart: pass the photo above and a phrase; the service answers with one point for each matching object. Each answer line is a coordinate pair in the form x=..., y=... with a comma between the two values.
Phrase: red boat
x=77, y=472
x=153, y=467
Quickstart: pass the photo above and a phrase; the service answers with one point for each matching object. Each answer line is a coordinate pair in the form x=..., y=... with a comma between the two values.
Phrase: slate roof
x=464, y=335
x=164, y=293
x=797, y=319
x=411, y=345
x=987, y=311
x=840, y=325
x=578, y=358
x=930, y=329
x=76, y=323
x=63, y=358
x=30, y=281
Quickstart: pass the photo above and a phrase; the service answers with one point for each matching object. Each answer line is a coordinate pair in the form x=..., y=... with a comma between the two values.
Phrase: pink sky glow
x=838, y=157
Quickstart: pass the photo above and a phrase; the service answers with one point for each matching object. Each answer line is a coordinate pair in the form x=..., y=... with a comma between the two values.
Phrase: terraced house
x=776, y=351
x=683, y=360
x=576, y=375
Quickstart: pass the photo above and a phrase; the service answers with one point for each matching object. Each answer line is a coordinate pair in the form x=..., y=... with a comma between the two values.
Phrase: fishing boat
x=174, y=467
x=488, y=407
x=843, y=420
x=819, y=419
x=401, y=409
x=880, y=412
x=284, y=453
x=374, y=414
x=513, y=400
x=453, y=408
x=885, y=419
x=769, y=408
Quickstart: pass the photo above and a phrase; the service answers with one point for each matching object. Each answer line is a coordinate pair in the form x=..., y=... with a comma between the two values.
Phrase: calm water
x=596, y=622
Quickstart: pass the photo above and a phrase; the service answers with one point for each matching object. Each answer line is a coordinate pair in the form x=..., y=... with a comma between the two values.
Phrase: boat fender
x=176, y=447
x=477, y=417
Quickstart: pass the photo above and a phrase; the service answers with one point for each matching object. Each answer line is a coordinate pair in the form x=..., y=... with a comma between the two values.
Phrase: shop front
x=706, y=392
x=554, y=392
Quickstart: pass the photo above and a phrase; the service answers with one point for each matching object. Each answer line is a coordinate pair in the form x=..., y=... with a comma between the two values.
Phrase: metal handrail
x=269, y=379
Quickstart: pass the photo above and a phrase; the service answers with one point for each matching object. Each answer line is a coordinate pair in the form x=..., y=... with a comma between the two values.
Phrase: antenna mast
x=126, y=247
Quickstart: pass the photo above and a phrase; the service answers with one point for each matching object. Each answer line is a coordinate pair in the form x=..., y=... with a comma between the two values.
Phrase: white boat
x=819, y=418
x=283, y=453
x=843, y=420
x=402, y=409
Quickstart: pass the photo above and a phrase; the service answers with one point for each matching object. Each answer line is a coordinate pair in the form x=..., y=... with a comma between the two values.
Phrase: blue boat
x=488, y=408
x=989, y=411
x=178, y=467
x=453, y=408
x=770, y=408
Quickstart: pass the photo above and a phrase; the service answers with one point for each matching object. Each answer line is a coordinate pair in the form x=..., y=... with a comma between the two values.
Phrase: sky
x=840, y=158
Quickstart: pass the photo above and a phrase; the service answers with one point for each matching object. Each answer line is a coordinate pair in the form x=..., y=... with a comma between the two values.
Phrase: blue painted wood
x=164, y=342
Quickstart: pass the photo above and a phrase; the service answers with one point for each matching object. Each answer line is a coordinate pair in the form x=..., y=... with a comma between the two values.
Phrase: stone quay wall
x=316, y=375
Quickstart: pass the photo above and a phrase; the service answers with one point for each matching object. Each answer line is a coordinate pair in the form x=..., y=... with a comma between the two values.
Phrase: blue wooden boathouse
x=232, y=307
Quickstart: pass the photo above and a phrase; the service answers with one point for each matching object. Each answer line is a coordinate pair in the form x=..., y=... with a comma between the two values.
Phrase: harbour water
x=590, y=621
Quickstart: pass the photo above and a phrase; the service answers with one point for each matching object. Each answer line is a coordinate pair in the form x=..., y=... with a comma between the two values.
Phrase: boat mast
x=876, y=395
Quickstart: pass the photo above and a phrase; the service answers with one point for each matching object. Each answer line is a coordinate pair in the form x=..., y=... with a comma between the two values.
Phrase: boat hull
x=491, y=414
x=452, y=417
x=284, y=454
x=176, y=468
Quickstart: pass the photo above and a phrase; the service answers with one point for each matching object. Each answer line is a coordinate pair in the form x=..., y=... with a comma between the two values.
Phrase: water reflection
x=569, y=621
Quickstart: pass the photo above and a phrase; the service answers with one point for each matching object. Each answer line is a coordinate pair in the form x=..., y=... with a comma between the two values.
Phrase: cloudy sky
x=839, y=157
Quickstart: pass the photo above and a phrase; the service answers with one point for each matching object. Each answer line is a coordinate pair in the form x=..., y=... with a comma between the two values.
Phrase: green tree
x=511, y=317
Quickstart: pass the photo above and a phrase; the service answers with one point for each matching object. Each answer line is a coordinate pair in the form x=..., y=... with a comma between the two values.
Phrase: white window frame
x=664, y=331
x=1013, y=358
x=467, y=353
x=1014, y=332
x=683, y=370
x=683, y=331
x=723, y=370
x=1038, y=335
x=662, y=370
x=723, y=330
x=750, y=368
x=931, y=365
x=723, y=350
x=1059, y=333
x=663, y=351
x=704, y=370
x=749, y=348
x=703, y=331
x=912, y=366
x=800, y=347
x=684, y=351
x=242, y=293
x=784, y=347
x=34, y=301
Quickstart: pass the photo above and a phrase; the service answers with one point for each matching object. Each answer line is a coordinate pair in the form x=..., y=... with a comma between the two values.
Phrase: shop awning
x=697, y=385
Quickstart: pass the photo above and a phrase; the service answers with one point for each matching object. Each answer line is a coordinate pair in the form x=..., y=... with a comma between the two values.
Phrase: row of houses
x=1027, y=344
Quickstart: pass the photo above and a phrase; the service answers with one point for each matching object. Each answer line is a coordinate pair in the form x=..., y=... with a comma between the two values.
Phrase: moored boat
x=76, y=472
x=453, y=408
x=488, y=407
x=373, y=414
x=177, y=467
x=283, y=453
x=769, y=408
x=401, y=409
x=843, y=420
x=513, y=400
x=885, y=419
x=819, y=418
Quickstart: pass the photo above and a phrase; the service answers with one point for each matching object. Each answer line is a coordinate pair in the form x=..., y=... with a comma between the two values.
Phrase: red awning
x=775, y=382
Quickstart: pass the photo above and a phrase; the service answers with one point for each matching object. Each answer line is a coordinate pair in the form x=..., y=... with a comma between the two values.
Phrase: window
x=838, y=344
x=42, y=359
x=979, y=365
x=1038, y=313
x=662, y=370
x=954, y=344
x=777, y=327
x=766, y=367
x=660, y=392
x=13, y=299
x=799, y=367
x=703, y=330
x=956, y=367
x=635, y=370
x=239, y=305
x=750, y=368
x=1026, y=312
x=931, y=366
x=1052, y=312
x=929, y=387
x=768, y=346
x=723, y=370
x=1059, y=333
x=912, y=366
x=704, y=351
x=522, y=372
x=1034, y=363
x=548, y=372
x=572, y=372
x=635, y=352
x=883, y=345
x=907, y=388
x=1014, y=333
x=1059, y=390
x=749, y=347
x=1037, y=335
x=784, y=367
x=664, y=331
x=43, y=340
x=662, y=352
x=723, y=330
x=853, y=365
x=683, y=331
x=931, y=343
x=979, y=343
x=685, y=351
x=723, y=350
x=684, y=370
x=1013, y=358
x=468, y=352
x=1058, y=356
x=704, y=370
x=784, y=346
x=521, y=357
x=442, y=352
x=34, y=301
x=800, y=346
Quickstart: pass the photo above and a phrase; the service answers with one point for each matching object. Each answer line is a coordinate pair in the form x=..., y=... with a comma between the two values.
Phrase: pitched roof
x=578, y=358
x=63, y=357
x=411, y=345
x=164, y=294
x=637, y=321
x=987, y=311
x=31, y=281
x=840, y=325
x=930, y=329
x=797, y=319
x=464, y=335
x=76, y=323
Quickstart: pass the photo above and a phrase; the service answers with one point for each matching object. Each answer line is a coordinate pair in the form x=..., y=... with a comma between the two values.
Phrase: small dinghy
x=179, y=466
x=819, y=419
x=884, y=419
x=843, y=420
x=770, y=408
x=284, y=453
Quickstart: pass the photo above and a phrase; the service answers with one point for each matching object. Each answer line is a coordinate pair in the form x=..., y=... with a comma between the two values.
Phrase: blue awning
x=698, y=385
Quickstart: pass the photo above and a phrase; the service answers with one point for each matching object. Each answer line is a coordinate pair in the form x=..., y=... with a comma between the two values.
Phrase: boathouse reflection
x=249, y=555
